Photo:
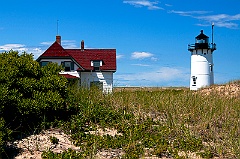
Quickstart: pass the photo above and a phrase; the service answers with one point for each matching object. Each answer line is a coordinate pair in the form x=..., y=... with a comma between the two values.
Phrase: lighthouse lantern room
x=201, y=62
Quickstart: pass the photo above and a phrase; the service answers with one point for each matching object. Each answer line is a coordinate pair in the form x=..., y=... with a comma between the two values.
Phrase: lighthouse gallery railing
x=194, y=46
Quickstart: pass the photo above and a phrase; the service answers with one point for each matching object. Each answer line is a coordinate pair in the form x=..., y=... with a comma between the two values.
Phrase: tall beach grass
x=166, y=121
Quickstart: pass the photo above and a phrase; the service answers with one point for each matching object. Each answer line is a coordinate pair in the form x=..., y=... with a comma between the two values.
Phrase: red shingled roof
x=55, y=50
x=83, y=57
x=68, y=76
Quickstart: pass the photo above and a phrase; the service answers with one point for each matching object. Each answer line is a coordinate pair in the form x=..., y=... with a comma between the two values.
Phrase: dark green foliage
x=30, y=94
x=54, y=140
x=69, y=154
x=207, y=154
x=186, y=142
x=4, y=134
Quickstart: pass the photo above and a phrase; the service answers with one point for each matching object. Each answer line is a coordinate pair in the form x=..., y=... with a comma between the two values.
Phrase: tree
x=29, y=93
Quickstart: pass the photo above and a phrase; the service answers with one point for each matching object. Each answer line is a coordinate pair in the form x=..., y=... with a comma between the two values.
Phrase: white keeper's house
x=89, y=66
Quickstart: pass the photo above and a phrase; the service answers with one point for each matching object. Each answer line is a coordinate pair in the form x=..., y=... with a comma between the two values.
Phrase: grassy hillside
x=174, y=123
x=152, y=122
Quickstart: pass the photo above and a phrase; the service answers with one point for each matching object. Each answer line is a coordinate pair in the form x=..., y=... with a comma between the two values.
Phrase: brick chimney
x=58, y=39
x=82, y=45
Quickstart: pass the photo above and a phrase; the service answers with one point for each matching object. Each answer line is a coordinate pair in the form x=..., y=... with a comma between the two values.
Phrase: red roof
x=83, y=57
x=55, y=50
x=68, y=76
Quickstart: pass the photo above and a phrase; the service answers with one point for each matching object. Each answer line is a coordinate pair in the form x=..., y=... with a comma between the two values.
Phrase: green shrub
x=30, y=94
x=30, y=91
x=65, y=155
x=54, y=140
x=4, y=135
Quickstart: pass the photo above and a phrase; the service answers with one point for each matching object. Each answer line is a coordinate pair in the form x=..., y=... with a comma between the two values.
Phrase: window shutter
x=62, y=63
x=72, y=65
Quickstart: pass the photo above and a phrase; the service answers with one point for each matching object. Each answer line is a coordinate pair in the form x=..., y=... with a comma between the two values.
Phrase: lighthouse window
x=194, y=78
x=211, y=68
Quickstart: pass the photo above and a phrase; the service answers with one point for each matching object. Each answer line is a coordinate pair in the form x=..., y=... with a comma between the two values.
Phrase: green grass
x=167, y=121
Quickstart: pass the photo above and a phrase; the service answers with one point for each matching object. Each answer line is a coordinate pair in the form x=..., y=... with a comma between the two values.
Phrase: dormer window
x=67, y=65
x=96, y=64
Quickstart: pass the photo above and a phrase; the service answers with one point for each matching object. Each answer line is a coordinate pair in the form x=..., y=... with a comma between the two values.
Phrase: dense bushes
x=30, y=95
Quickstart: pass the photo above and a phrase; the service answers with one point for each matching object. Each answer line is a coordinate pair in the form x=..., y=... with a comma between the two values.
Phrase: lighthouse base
x=199, y=81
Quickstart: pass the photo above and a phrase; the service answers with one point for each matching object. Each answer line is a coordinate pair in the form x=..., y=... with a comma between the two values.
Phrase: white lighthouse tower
x=201, y=62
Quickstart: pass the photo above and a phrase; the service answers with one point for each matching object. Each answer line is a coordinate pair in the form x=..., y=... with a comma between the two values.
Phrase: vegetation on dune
x=166, y=122
x=150, y=122
x=30, y=96
x=158, y=122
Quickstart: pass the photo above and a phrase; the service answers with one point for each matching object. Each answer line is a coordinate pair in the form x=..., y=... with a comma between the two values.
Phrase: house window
x=97, y=84
x=96, y=65
x=44, y=63
x=68, y=65
x=194, y=78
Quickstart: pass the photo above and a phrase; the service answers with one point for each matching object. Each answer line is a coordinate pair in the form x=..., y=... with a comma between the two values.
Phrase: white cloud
x=220, y=20
x=142, y=65
x=144, y=3
x=168, y=5
x=65, y=43
x=15, y=47
x=141, y=55
x=220, y=17
x=189, y=13
x=47, y=43
x=229, y=25
x=36, y=51
x=154, y=58
x=119, y=56
x=164, y=76
x=168, y=73
x=69, y=44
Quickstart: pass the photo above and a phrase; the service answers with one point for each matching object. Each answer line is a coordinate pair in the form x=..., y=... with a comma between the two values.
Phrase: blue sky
x=151, y=37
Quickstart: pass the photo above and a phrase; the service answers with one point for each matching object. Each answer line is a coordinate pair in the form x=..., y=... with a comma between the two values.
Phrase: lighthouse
x=201, y=61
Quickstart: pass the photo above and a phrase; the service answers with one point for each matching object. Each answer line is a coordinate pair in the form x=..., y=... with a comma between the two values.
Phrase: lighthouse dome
x=202, y=38
x=202, y=41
